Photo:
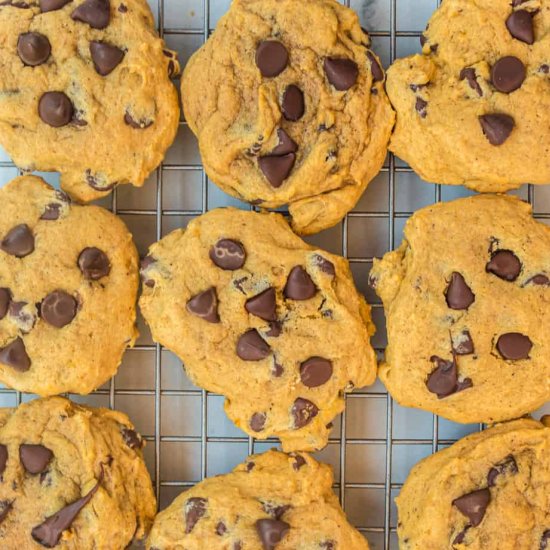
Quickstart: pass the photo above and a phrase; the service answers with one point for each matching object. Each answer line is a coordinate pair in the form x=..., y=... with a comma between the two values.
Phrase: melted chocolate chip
x=286, y=144
x=293, y=105
x=315, y=372
x=299, y=461
x=508, y=74
x=51, y=212
x=458, y=294
x=299, y=285
x=139, y=124
x=303, y=412
x=375, y=68
x=19, y=241
x=221, y=529
x=271, y=532
x=470, y=76
x=35, y=458
x=33, y=48
x=131, y=438
x=257, y=422
x=95, y=13
x=277, y=370
x=341, y=73
x=252, y=347
x=539, y=280
x=58, y=308
x=463, y=343
x=205, y=305
x=94, y=263
x=24, y=317
x=195, y=508
x=459, y=539
x=276, y=511
x=52, y=5
x=497, y=127
x=263, y=305
x=504, y=264
x=55, y=109
x=507, y=466
x=271, y=58
x=520, y=26
x=250, y=466
x=143, y=266
x=324, y=265
x=514, y=346
x=3, y=458
x=276, y=169
x=421, y=107
x=106, y=57
x=443, y=380
x=275, y=329
x=15, y=355
x=5, y=299
x=228, y=254
x=473, y=505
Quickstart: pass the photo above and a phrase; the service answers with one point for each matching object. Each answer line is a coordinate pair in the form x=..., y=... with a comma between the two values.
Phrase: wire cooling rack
x=375, y=442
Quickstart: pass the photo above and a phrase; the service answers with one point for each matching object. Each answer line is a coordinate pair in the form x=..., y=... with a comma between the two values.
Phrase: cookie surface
x=54, y=454
x=474, y=108
x=489, y=491
x=289, y=107
x=91, y=77
x=467, y=302
x=68, y=286
x=272, y=501
x=258, y=315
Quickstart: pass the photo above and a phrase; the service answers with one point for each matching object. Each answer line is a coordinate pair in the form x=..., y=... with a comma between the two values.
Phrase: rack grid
x=375, y=442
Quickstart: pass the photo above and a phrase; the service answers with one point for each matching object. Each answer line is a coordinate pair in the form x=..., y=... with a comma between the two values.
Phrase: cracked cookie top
x=270, y=322
x=85, y=90
x=467, y=302
x=288, y=104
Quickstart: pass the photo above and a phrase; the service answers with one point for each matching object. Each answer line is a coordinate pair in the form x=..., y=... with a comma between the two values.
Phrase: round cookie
x=71, y=477
x=288, y=104
x=474, y=108
x=68, y=287
x=85, y=90
x=273, y=501
x=258, y=315
x=467, y=301
x=489, y=491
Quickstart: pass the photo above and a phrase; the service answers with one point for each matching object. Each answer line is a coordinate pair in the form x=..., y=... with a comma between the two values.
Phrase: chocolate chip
x=497, y=127
x=252, y=347
x=463, y=343
x=545, y=540
x=459, y=539
x=507, y=466
x=299, y=285
x=250, y=466
x=544, y=69
x=98, y=182
x=257, y=422
x=315, y=372
x=3, y=458
x=49, y=532
x=94, y=263
x=277, y=370
x=52, y=5
x=228, y=254
x=470, y=76
x=140, y=124
x=293, y=105
x=299, y=461
x=58, y=308
x=458, y=294
x=276, y=169
x=131, y=438
x=540, y=279
x=423, y=39
x=24, y=317
x=473, y=505
x=195, y=508
x=205, y=305
x=143, y=267
x=271, y=532
x=508, y=74
x=327, y=545
x=286, y=144
x=341, y=73
x=237, y=545
x=106, y=57
x=33, y=48
x=221, y=529
x=51, y=212
x=324, y=265
x=96, y=13
x=271, y=58
x=263, y=305
x=5, y=507
x=504, y=264
x=276, y=511
x=35, y=458
x=514, y=346
x=19, y=241
x=275, y=329
x=15, y=355
x=123, y=8
x=520, y=26
x=55, y=109
x=421, y=106
x=5, y=299
x=303, y=412
x=443, y=380
x=375, y=68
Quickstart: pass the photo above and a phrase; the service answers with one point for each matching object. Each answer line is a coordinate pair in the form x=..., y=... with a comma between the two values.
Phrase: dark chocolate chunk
x=458, y=294
x=286, y=144
x=470, y=76
x=520, y=26
x=276, y=169
x=514, y=346
x=463, y=343
x=497, y=127
x=19, y=241
x=195, y=508
x=35, y=458
x=271, y=532
x=504, y=264
x=94, y=263
x=228, y=254
x=342, y=73
x=58, y=308
x=131, y=438
x=15, y=355
x=507, y=466
x=5, y=299
x=299, y=461
x=51, y=212
x=271, y=58
x=375, y=68
x=52, y=5
x=315, y=372
x=293, y=105
x=539, y=280
x=508, y=74
x=303, y=412
x=421, y=107
x=96, y=13
x=473, y=505
x=544, y=69
x=443, y=380
x=33, y=48
x=55, y=109
x=3, y=458
x=257, y=422
x=299, y=285
x=205, y=305
x=106, y=57
x=252, y=347
x=275, y=329
x=263, y=305
x=324, y=265
x=139, y=124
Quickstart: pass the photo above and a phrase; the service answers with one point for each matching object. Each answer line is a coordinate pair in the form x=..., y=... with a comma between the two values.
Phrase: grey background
x=376, y=442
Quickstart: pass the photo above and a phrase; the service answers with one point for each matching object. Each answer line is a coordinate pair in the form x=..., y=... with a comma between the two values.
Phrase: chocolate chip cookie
x=489, y=491
x=474, y=108
x=258, y=315
x=467, y=301
x=85, y=90
x=288, y=103
x=71, y=477
x=68, y=286
x=273, y=501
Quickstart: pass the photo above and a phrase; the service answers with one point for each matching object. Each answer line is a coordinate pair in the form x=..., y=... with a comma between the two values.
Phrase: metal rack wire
x=376, y=441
